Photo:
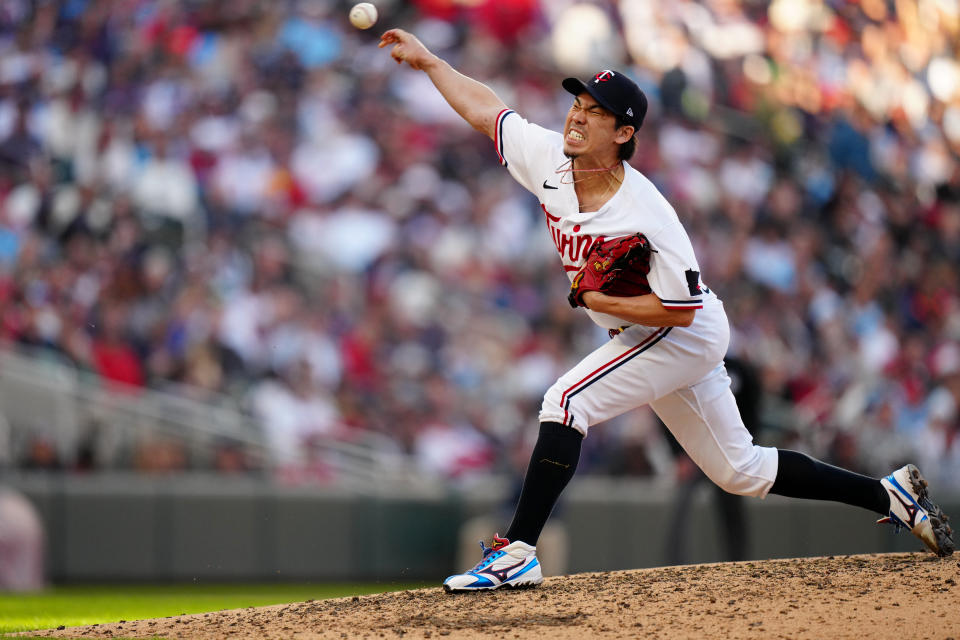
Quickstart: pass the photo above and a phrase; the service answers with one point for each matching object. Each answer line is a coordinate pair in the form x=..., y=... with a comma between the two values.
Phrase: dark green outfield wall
x=186, y=528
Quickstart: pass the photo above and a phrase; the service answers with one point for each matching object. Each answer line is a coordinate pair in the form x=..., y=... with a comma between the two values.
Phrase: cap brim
x=576, y=87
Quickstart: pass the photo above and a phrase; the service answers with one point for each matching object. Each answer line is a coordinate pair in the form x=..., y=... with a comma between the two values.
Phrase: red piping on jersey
x=600, y=370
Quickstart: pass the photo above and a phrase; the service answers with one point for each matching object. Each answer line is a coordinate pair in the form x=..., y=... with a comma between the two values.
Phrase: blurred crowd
x=249, y=200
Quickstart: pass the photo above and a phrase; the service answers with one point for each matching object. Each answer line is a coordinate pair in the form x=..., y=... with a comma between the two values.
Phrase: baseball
x=363, y=15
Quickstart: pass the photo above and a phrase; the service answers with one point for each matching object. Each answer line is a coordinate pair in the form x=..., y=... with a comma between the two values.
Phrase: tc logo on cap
x=603, y=76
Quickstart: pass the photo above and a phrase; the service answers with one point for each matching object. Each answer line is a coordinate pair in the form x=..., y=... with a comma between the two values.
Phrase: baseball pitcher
x=633, y=269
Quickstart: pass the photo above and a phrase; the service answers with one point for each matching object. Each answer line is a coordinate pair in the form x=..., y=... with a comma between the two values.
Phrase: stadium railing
x=46, y=400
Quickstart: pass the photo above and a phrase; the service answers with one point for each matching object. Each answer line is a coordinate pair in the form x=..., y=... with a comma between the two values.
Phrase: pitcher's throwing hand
x=406, y=48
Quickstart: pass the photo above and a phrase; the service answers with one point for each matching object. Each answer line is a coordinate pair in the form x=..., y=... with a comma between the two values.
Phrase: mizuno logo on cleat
x=502, y=574
x=912, y=510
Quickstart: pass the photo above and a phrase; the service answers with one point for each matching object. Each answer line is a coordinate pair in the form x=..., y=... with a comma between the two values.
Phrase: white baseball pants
x=679, y=372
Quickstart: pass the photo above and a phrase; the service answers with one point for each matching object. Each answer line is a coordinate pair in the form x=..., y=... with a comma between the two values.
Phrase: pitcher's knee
x=738, y=483
x=557, y=407
x=752, y=476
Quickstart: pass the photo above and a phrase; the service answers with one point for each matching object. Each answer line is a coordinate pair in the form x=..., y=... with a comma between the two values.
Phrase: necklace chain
x=567, y=169
x=610, y=184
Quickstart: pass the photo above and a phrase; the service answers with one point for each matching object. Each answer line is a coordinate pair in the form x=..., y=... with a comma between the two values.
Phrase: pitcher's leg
x=706, y=422
x=800, y=476
x=622, y=374
x=552, y=465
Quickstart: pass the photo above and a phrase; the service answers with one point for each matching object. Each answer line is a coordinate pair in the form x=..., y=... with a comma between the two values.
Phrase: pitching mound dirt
x=910, y=595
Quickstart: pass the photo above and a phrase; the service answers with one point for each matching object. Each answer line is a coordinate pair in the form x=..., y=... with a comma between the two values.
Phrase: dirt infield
x=902, y=596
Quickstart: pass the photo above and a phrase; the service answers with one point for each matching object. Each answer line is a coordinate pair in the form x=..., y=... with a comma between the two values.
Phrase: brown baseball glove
x=616, y=267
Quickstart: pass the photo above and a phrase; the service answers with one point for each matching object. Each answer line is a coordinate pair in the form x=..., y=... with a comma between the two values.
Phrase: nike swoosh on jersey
x=549, y=186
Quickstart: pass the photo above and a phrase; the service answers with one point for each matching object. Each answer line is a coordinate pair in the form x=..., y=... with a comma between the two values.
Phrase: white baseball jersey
x=678, y=371
x=533, y=155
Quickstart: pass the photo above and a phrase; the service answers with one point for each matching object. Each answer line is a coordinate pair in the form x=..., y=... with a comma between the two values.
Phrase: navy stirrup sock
x=552, y=465
x=800, y=476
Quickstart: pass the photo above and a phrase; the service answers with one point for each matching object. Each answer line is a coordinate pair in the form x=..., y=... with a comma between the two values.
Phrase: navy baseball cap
x=615, y=92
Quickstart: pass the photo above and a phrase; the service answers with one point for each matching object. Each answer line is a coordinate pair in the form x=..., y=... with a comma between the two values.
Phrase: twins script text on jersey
x=574, y=247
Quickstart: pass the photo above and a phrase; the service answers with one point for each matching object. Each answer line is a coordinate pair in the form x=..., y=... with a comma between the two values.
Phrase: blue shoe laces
x=489, y=555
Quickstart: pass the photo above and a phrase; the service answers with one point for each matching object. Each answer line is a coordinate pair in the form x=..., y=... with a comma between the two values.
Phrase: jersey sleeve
x=674, y=274
x=525, y=149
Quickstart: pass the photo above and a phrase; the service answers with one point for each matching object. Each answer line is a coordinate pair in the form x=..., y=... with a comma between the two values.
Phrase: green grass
x=82, y=605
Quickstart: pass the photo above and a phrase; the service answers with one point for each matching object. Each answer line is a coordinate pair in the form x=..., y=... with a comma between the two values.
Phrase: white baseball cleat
x=505, y=564
x=912, y=508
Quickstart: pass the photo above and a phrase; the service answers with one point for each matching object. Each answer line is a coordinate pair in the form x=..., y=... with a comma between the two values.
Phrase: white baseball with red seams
x=363, y=15
x=678, y=371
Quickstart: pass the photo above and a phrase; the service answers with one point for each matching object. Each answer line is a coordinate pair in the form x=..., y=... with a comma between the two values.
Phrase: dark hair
x=627, y=149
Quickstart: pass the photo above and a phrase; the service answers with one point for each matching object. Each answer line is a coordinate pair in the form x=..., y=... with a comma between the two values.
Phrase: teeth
x=576, y=135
